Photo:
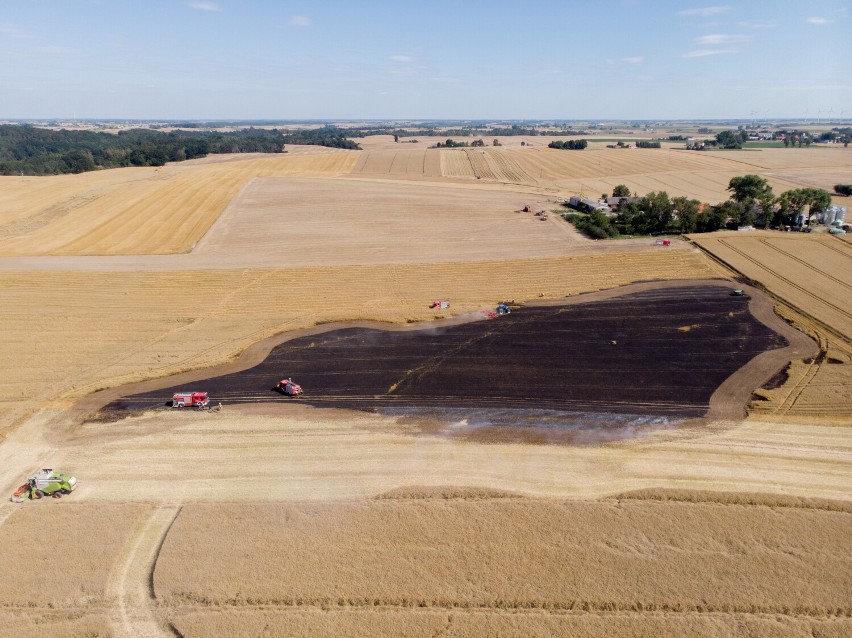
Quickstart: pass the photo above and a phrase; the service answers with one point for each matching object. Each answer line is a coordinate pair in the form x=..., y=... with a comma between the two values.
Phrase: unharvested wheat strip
x=510, y=553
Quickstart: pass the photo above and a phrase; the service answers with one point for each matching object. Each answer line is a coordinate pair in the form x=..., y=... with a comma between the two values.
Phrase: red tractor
x=286, y=386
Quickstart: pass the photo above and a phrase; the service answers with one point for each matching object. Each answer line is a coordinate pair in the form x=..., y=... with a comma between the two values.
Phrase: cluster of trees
x=37, y=151
x=731, y=139
x=797, y=139
x=451, y=144
x=647, y=144
x=570, y=145
x=843, y=189
x=751, y=200
x=330, y=136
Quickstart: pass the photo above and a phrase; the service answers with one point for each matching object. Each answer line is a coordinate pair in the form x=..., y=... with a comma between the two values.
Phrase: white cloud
x=11, y=31
x=721, y=38
x=633, y=59
x=300, y=21
x=703, y=53
x=205, y=6
x=818, y=20
x=704, y=12
x=400, y=58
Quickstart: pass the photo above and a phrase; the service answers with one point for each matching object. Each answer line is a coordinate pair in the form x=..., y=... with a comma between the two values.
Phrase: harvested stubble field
x=808, y=272
x=167, y=210
x=495, y=557
x=138, y=211
x=703, y=176
x=302, y=222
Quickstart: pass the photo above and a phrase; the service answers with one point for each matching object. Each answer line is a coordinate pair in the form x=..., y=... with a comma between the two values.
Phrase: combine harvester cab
x=191, y=399
x=48, y=482
x=286, y=386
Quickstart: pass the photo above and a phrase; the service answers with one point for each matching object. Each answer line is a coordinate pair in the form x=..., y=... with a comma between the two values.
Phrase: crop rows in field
x=789, y=158
x=405, y=162
x=456, y=163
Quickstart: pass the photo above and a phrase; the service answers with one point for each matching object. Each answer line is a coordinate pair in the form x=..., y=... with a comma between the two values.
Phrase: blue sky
x=460, y=59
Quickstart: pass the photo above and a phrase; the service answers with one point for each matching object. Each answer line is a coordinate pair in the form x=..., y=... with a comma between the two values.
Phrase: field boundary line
x=595, y=606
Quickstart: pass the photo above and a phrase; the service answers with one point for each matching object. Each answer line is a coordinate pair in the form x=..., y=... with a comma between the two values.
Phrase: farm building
x=588, y=205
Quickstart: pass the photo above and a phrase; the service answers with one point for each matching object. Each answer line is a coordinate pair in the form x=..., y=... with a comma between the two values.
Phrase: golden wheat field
x=499, y=556
x=58, y=566
x=281, y=519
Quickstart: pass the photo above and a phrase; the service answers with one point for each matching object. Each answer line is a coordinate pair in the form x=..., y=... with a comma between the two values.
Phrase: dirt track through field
x=133, y=615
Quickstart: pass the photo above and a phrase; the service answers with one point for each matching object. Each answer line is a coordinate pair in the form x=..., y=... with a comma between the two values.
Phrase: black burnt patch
x=657, y=352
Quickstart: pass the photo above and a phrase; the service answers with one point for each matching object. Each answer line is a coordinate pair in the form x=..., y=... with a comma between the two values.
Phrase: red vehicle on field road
x=193, y=399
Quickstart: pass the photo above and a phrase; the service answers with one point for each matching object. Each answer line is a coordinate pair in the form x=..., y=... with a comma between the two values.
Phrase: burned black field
x=656, y=352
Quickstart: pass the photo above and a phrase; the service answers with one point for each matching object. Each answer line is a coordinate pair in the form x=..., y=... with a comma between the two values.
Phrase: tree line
x=751, y=202
x=571, y=145
x=36, y=151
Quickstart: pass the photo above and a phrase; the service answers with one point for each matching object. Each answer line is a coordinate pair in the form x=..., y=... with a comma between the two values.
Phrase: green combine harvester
x=48, y=482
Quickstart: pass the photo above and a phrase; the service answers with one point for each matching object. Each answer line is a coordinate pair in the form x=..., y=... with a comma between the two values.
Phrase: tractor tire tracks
x=132, y=586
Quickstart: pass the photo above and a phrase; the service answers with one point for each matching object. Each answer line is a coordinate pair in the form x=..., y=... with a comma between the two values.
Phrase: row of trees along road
x=751, y=201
